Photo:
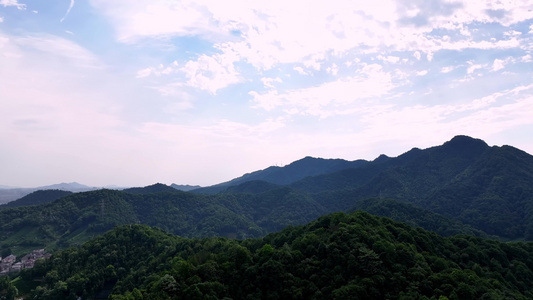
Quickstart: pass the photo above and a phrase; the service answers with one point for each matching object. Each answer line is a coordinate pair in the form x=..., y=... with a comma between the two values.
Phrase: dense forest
x=76, y=218
x=338, y=256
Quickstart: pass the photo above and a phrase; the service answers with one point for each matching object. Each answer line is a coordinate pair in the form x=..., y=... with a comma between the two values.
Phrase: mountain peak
x=465, y=144
x=464, y=140
x=154, y=188
x=381, y=158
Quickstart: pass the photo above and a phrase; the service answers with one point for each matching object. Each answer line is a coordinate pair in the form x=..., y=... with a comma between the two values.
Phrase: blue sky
x=198, y=92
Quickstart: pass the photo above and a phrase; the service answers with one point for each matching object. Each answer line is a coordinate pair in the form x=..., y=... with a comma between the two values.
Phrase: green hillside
x=488, y=188
x=76, y=218
x=338, y=256
x=443, y=188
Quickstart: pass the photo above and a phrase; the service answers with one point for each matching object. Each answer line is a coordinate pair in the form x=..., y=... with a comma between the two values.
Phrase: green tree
x=7, y=290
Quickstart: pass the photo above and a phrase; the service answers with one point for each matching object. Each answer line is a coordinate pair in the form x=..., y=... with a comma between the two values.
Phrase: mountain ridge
x=463, y=181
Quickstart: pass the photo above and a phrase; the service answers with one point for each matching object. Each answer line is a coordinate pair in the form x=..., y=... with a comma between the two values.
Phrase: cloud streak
x=71, y=5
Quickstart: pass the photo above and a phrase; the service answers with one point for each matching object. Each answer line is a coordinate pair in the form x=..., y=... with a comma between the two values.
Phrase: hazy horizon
x=200, y=92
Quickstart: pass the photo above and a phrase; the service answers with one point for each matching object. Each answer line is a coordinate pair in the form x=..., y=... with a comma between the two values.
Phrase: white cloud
x=267, y=34
x=144, y=73
x=498, y=64
x=269, y=82
x=211, y=73
x=390, y=59
x=54, y=46
x=158, y=70
x=301, y=71
x=486, y=116
x=374, y=52
x=1, y=19
x=15, y=3
x=333, y=70
x=332, y=98
x=473, y=67
x=448, y=69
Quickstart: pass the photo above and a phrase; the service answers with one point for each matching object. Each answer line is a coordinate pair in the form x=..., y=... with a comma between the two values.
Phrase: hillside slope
x=305, y=167
x=74, y=219
x=464, y=179
x=338, y=256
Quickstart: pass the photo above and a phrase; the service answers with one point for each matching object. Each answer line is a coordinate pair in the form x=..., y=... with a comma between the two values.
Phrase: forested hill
x=338, y=256
x=488, y=188
x=73, y=219
x=463, y=181
x=305, y=167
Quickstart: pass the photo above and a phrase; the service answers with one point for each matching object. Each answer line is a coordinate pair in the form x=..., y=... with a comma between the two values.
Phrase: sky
x=131, y=93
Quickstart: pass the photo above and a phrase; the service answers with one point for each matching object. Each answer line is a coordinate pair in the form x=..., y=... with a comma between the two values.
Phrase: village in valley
x=9, y=264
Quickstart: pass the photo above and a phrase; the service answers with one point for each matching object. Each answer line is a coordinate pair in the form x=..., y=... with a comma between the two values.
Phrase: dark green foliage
x=415, y=216
x=74, y=219
x=305, y=167
x=252, y=187
x=7, y=290
x=185, y=187
x=36, y=198
x=154, y=188
x=338, y=256
x=488, y=188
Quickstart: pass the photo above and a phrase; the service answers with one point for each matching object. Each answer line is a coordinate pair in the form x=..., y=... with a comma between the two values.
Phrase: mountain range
x=464, y=208
x=463, y=186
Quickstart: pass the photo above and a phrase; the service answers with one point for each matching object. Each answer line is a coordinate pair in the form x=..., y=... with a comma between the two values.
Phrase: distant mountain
x=7, y=187
x=464, y=179
x=185, y=188
x=154, y=188
x=71, y=186
x=36, y=198
x=7, y=195
x=463, y=186
x=307, y=166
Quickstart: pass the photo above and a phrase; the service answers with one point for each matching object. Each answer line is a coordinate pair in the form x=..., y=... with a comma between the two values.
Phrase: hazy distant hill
x=7, y=187
x=10, y=194
x=154, y=188
x=36, y=198
x=185, y=187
